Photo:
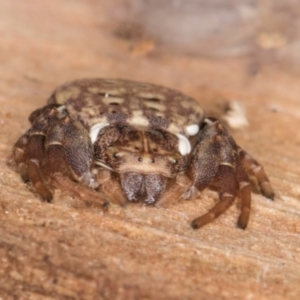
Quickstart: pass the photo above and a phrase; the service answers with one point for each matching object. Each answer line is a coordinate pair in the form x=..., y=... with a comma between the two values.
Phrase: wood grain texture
x=68, y=250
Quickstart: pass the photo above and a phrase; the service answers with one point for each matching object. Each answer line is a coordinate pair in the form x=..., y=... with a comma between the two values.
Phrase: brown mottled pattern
x=123, y=101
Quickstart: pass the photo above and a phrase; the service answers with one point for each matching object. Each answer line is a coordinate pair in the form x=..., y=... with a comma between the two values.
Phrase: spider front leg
x=54, y=144
x=111, y=187
x=70, y=155
x=69, y=151
x=215, y=160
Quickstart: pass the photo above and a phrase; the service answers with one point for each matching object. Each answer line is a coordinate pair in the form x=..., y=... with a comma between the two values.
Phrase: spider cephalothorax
x=137, y=142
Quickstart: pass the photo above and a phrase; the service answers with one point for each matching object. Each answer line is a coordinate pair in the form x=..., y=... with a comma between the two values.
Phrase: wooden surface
x=67, y=250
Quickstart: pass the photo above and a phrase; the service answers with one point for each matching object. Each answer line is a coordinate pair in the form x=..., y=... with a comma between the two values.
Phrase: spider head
x=144, y=160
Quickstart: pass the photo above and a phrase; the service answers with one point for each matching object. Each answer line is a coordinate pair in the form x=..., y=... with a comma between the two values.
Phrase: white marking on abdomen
x=108, y=100
x=157, y=106
x=138, y=120
x=95, y=129
x=192, y=129
x=184, y=145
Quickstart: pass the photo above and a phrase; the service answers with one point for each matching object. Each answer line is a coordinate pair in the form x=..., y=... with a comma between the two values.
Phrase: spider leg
x=54, y=144
x=202, y=169
x=214, y=158
x=181, y=185
x=227, y=165
x=205, y=158
x=110, y=187
x=29, y=151
x=216, y=161
x=256, y=170
x=244, y=194
x=86, y=194
x=69, y=151
x=227, y=194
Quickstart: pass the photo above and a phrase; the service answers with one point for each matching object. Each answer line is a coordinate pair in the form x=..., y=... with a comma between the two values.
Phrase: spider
x=133, y=141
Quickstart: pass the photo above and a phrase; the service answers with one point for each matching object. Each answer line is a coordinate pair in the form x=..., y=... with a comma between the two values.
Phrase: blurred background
x=263, y=31
x=266, y=30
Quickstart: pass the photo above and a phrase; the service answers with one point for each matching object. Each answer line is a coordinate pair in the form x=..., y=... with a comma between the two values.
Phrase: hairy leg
x=111, y=187
x=54, y=144
x=69, y=150
x=89, y=196
x=244, y=193
x=29, y=151
x=256, y=170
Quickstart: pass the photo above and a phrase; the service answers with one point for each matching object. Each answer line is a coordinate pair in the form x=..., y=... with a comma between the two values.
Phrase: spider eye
x=116, y=155
x=174, y=161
